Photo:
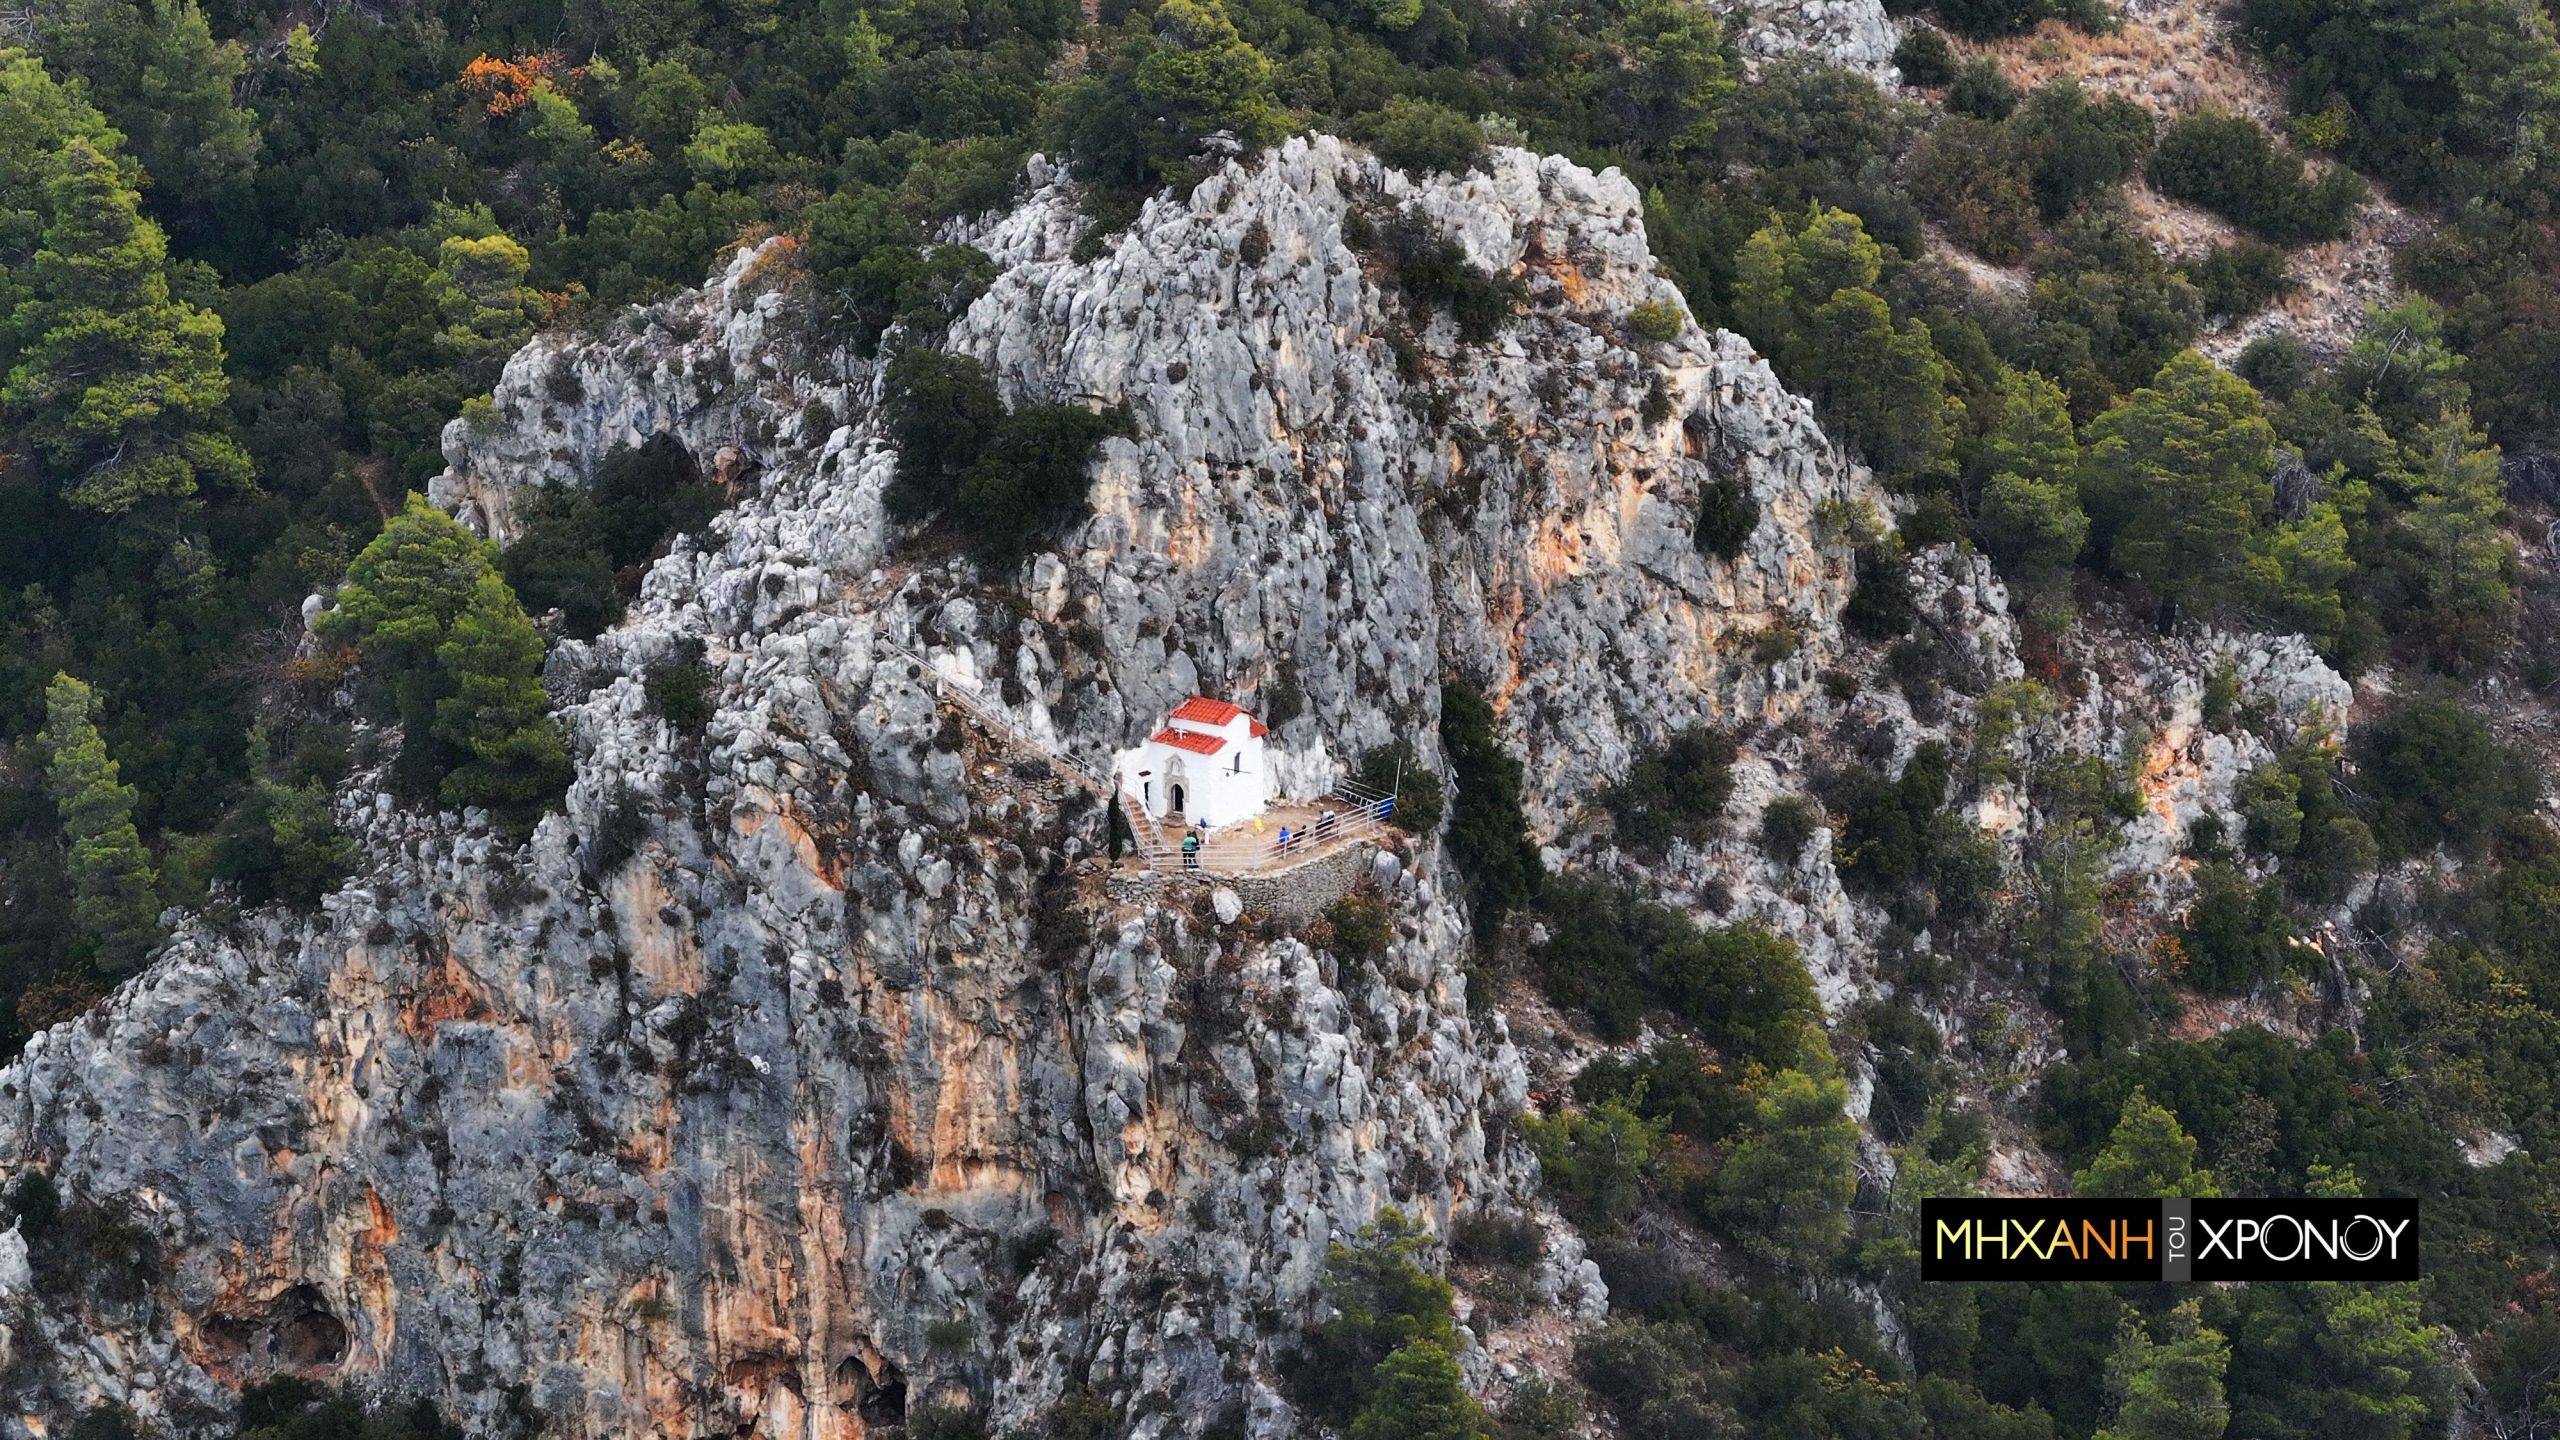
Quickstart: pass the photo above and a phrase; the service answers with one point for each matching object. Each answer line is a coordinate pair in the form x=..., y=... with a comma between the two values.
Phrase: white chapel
x=1205, y=767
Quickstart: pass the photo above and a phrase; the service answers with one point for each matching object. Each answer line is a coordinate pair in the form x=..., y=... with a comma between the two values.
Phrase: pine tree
x=1674, y=81
x=2169, y=1388
x=2454, y=556
x=1785, y=1187
x=497, y=715
x=112, y=885
x=2148, y=1155
x=2032, y=522
x=118, y=384
x=1206, y=75
x=406, y=588
x=38, y=121
x=446, y=646
x=1805, y=292
x=2179, y=475
x=1420, y=1395
x=156, y=71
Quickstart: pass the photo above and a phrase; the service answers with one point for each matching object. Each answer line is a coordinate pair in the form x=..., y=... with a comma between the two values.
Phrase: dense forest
x=256, y=256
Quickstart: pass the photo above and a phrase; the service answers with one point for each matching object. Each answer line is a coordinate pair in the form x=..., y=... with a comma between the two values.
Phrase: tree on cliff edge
x=115, y=903
x=447, y=649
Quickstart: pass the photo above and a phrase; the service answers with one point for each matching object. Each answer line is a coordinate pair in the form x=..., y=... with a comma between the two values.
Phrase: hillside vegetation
x=257, y=256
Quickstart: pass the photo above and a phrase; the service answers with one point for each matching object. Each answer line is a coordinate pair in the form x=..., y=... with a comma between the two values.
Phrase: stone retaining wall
x=1298, y=893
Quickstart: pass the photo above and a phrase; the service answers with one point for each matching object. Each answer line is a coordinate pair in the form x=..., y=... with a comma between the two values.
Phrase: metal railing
x=1253, y=848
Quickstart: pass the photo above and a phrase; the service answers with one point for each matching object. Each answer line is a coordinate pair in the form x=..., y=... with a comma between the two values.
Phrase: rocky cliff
x=806, y=1069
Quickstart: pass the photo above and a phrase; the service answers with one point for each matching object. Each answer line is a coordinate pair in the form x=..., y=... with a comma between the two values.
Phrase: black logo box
x=2173, y=1239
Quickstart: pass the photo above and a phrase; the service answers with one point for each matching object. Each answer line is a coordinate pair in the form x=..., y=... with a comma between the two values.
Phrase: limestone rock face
x=806, y=1070
x=1852, y=34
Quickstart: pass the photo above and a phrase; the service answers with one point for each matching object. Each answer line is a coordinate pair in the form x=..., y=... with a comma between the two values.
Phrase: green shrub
x=1675, y=793
x=938, y=1421
x=2443, y=777
x=77, y=1246
x=1006, y=475
x=2228, y=165
x=2278, y=365
x=1888, y=837
x=2079, y=148
x=1084, y=1415
x=1362, y=926
x=878, y=271
x=1432, y=271
x=2235, y=935
x=1656, y=1379
x=1973, y=180
x=283, y=843
x=1787, y=825
x=1503, y=1238
x=1121, y=838
x=941, y=408
x=1137, y=117
x=682, y=692
x=624, y=824
x=950, y=1333
x=1776, y=644
x=581, y=549
x=1990, y=19
x=2240, y=278
x=1541, y=1409
x=1610, y=954
x=1727, y=514
x=1421, y=137
x=1925, y=58
x=291, y=1408
x=1657, y=320
x=1905, y=1049
x=1488, y=834
x=1676, y=1083
x=1982, y=90
x=2107, y=311
x=1394, y=769
x=1598, y=1162
x=1881, y=604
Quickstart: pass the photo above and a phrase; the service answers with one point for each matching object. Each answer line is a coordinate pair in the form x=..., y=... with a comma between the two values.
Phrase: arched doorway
x=1177, y=801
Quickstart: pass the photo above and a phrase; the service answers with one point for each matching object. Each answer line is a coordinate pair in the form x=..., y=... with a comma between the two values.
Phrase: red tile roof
x=1191, y=740
x=1260, y=729
x=1200, y=709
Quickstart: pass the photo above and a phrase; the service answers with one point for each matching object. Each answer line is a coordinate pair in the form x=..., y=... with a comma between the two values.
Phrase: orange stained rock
x=446, y=991
x=782, y=811
x=382, y=1227
x=2162, y=763
x=1186, y=540
x=1555, y=554
x=369, y=1269
x=1570, y=279
x=973, y=1113
x=662, y=952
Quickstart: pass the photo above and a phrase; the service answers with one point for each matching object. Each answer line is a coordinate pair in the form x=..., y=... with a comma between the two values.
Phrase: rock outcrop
x=806, y=1071
x=1852, y=34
